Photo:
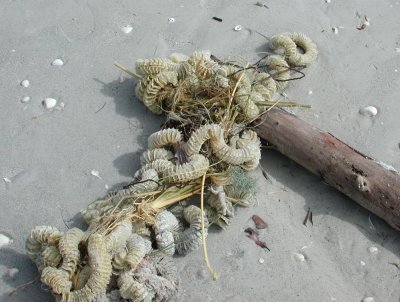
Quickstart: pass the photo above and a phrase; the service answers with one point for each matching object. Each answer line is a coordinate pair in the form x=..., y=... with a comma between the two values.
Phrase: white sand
x=48, y=155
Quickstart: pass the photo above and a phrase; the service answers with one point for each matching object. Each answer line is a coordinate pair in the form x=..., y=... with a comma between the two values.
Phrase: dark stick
x=358, y=176
x=307, y=217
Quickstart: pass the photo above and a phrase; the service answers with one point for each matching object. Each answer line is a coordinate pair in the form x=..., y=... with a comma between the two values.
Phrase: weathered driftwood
x=373, y=185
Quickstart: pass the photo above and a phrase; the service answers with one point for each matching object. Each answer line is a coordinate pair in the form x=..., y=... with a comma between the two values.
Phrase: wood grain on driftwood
x=369, y=183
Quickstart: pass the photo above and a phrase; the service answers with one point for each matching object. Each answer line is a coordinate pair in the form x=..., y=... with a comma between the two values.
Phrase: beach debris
x=373, y=249
x=261, y=260
x=262, y=244
x=364, y=23
x=5, y=240
x=308, y=218
x=217, y=19
x=126, y=29
x=260, y=224
x=12, y=273
x=251, y=232
x=253, y=235
x=327, y=1
x=362, y=263
x=299, y=257
x=335, y=30
x=262, y=4
x=397, y=49
x=25, y=99
x=7, y=180
x=25, y=83
x=96, y=173
x=238, y=28
x=310, y=92
x=49, y=103
x=369, y=111
x=57, y=62
x=171, y=20
x=396, y=264
x=368, y=299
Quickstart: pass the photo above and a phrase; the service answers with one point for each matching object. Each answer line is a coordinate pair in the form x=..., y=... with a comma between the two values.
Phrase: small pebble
x=57, y=62
x=25, y=99
x=369, y=111
x=335, y=30
x=362, y=263
x=238, y=28
x=49, y=103
x=373, y=249
x=171, y=20
x=4, y=240
x=126, y=29
x=261, y=260
x=12, y=272
x=368, y=299
x=6, y=179
x=25, y=83
x=299, y=257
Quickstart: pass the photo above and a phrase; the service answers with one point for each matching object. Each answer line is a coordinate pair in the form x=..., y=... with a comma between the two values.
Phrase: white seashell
x=327, y=1
x=362, y=263
x=49, y=103
x=6, y=179
x=368, y=299
x=171, y=20
x=261, y=260
x=299, y=257
x=57, y=62
x=106, y=186
x=4, y=240
x=369, y=111
x=397, y=49
x=373, y=249
x=12, y=272
x=126, y=29
x=95, y=173
x=25, y=83
x=238, y=28
x=25, y=99
x=335, y=30
x=396, y=70
x=310, y=92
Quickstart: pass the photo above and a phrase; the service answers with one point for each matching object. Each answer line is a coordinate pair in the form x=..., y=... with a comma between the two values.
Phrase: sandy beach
x=54, y=161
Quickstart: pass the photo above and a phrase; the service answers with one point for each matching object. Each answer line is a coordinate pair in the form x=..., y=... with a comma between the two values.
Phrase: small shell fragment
x=335, y=30
x=171, y=20
x=25, y=83
x=299, y=257
x=238, y=28
x=95, y=173
x=373, y=249
x=25, y=99
x=57, y=62
x=126, y=29
x=49, y=103
x=397, y=49
x=368, y=299
x=362, y=263
x=4, y=240
x=369, y=111
x=261, y=260
x=7, y=180
x=327, y=1
x=310, y=92
x=260, y=224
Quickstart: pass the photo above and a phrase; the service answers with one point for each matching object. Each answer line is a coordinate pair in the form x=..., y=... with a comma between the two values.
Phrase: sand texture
x=47, y=154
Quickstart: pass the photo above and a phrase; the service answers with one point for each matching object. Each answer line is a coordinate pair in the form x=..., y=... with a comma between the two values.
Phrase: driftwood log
x=371, y=184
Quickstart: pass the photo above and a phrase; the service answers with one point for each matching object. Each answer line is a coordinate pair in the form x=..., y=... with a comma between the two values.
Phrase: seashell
x=368, y=299
x=25, y=99
x=49, y=103
x=57, y=62
x=261, y=260
x=4, y=240
x=335, y=30
x=238, y=28
x=369, y=111
x=299, y=257
x=126, y=29
x=25, y=83
x=373, y=249
x=171, y=20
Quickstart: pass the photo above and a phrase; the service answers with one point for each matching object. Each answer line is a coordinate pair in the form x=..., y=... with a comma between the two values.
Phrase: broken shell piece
x=95, y=173
x=4, y=240
x=368, y=299
x=7, y=180
x=299, y=257
x=397, y=49
x=261, y=260
x=327, y=1
x=25, y=99
x=373, y=249
x=335, y=30
x=25, y=83
x=260, y=224
x=171, y=20
x=126, y=29
x=369, y=111
x=238, y=28
x=57, y=62
x=49, y=103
